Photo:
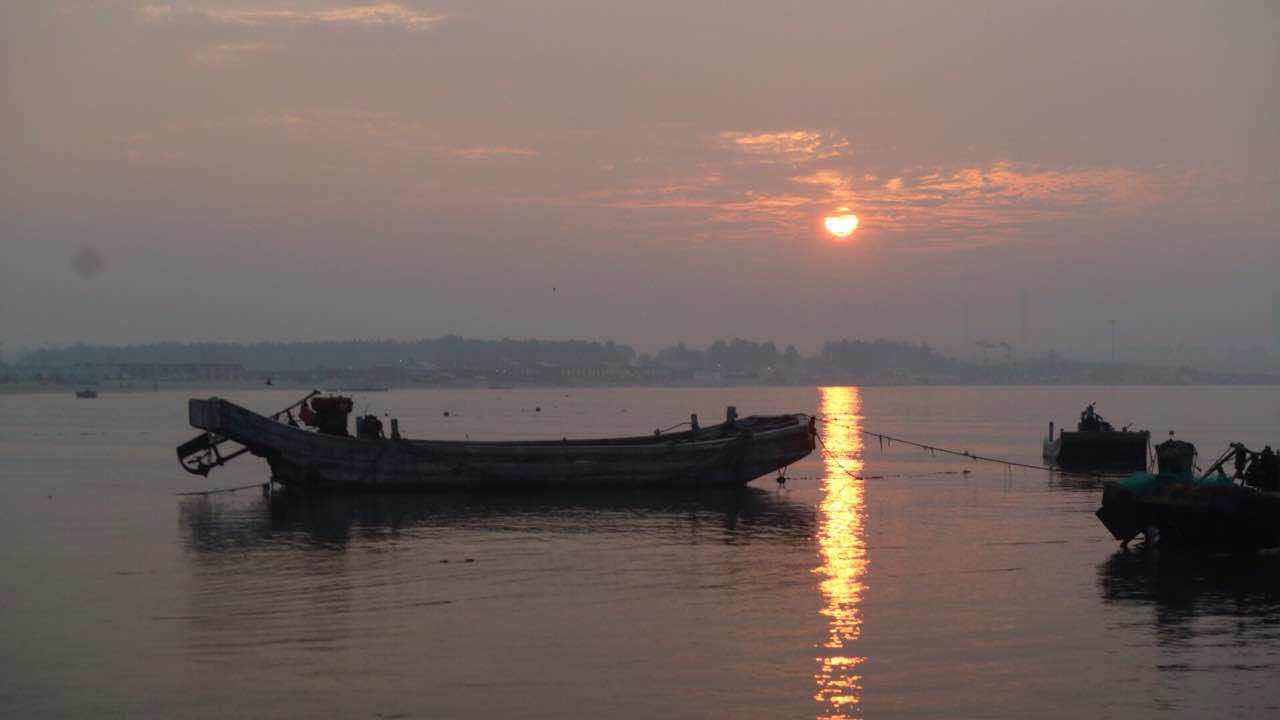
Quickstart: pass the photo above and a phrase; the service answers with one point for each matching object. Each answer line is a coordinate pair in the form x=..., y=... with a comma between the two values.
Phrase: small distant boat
x=731, y=453
x=1096, y=446
x=1175, y=508
x=87, y=394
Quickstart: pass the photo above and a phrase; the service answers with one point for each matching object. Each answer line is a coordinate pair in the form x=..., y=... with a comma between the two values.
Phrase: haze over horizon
x=279, y=169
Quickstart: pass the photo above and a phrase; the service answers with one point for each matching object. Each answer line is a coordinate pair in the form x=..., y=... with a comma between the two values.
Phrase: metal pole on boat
x=1220, y=462
x=310, y=395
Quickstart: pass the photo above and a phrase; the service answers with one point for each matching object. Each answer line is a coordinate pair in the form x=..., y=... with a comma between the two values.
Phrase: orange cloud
x=371, y=15
x=677, y=182
x=1008, y=183
x=832, y=181
x=784, y=145
x=940, y=206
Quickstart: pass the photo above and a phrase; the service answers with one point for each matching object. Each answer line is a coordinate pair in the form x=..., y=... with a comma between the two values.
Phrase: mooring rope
x=832, y=457
x=221, y=490
x=888, y=440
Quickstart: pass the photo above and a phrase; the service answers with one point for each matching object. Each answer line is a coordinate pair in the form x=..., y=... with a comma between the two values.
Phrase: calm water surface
x=920, y=590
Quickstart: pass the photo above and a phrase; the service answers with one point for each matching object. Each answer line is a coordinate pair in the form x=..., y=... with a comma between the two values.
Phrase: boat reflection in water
x=1199, y=621
x=843, y=552
x=439, y=584
x=341, y=520
x=1184, y=589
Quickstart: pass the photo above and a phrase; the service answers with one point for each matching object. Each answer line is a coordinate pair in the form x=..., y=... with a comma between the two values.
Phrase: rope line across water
x=222, y=490
x=890, y=439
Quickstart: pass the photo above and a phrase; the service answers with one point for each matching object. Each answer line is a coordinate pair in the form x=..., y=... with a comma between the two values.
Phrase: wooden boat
x=731, y=453
x=1096, y=446
x=1175, y=508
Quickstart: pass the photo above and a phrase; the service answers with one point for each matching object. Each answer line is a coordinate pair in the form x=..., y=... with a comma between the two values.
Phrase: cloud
x=223, y=55
x=1008, y=183
x=494, y=152
x=370, y=130
x=777, y=186
x=383, y=144
x=678, y=182
x=793, y=146
x=833, y=181
x=362, y=16
x=330, y=121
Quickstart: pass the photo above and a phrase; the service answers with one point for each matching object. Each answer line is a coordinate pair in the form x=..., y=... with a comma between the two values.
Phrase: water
x=919, y=591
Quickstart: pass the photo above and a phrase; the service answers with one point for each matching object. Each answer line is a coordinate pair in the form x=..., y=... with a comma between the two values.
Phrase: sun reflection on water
x=843, y=551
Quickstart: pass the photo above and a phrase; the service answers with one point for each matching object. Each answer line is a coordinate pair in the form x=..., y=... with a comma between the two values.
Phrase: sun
x=842, y=223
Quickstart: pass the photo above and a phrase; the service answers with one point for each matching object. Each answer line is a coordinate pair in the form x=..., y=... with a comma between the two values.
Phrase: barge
x=328, y=457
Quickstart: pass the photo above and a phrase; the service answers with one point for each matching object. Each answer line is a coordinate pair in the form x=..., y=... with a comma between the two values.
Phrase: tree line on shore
x=453, y=351
x=859, y=360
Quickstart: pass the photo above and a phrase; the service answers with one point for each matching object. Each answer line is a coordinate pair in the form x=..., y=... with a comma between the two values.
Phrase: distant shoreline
x=104, y=390
x=455, y=361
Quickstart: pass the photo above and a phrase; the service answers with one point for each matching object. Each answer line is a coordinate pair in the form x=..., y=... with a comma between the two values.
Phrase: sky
x=639, y=171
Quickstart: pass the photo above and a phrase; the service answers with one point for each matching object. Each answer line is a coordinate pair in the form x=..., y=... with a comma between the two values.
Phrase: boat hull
x=716, y=456
x=1111, y=452
x=1184, y=515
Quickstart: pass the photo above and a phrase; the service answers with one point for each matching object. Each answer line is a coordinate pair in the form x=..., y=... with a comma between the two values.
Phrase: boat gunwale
x=719, y=434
